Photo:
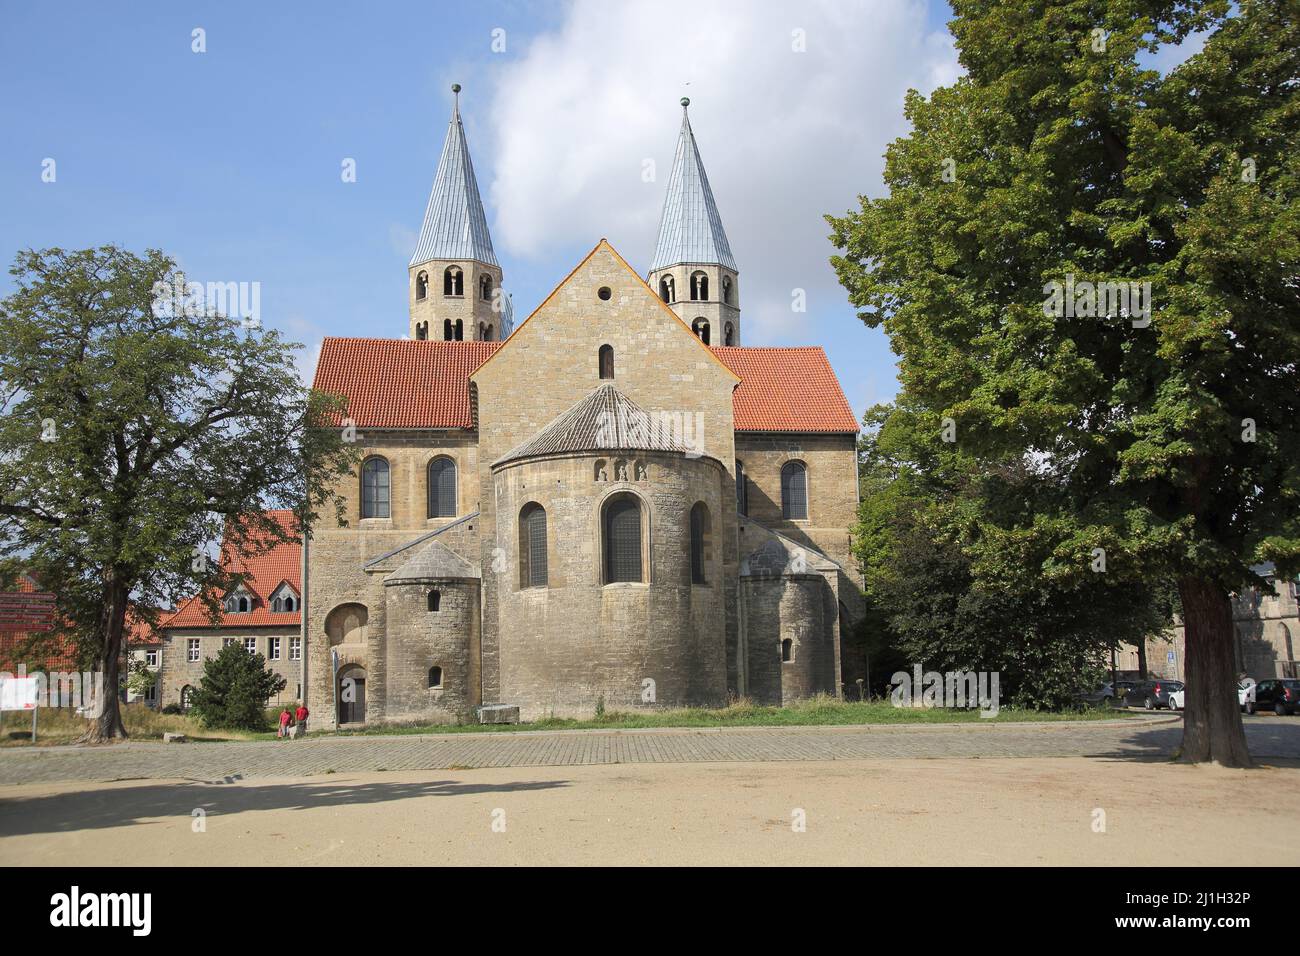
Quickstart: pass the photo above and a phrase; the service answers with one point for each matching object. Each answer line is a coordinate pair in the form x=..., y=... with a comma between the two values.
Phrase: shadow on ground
x=98, y=809
x=1267, y=737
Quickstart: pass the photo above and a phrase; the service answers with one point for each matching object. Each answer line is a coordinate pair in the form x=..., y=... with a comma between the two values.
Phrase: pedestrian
x=285, y=717
x=301, y=715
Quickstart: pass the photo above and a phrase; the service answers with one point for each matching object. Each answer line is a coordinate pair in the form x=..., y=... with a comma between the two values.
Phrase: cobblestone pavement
x=1138, y=737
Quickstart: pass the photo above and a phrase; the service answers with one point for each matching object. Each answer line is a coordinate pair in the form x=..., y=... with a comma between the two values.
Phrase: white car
x=1245, y=691
x=1176, y=700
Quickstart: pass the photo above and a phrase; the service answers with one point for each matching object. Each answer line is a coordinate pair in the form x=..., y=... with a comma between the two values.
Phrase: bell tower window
x=453, y=281
x=606, y=361
x=422, y=285
x=701, y=328
x=699, y=287
x=666, y=289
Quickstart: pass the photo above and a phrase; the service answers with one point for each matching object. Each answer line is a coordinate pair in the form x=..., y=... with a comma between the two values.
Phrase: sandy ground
x=888, y=812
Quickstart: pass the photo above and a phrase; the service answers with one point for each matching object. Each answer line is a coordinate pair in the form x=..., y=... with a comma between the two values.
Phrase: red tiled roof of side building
x=786, y=390
x=402, y=383
x=266, y=571
x=405, y=383
x=56, y=653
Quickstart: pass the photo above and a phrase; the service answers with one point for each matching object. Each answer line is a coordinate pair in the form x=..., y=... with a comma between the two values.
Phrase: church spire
x=690, y=229
x=455, y=279
x=455, y=226
x=693, y=269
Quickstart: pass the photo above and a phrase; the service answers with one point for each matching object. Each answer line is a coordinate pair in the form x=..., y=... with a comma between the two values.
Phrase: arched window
x=435, y=676
x=446, y=330
x=699, y=287
x=435, y=600
x=460, y=330
x=701, y=541
x=787, y=651
x=742, y=488
x=622, y=533
x=187, y=692
x=482, y=331
x=422, y=285
x=794, y=490
x=607, y=361
x=485, y=288
x=453, y=281
x=730, y=338
x=442, y=488
x=374, y=488
x=701, y=328
x=726, y=289
x=532, y=546
x=491, y=332
x=666, y=289
x=421, y=331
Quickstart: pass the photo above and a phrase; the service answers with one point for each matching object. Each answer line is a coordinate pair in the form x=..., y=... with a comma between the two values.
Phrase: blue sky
x=230, y=159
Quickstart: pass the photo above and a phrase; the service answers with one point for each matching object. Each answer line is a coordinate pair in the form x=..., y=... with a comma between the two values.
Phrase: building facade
x=614, y=504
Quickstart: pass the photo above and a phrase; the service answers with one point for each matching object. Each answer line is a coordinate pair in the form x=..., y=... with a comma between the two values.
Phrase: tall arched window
x=421, y=330
x=701, y=328
x=699, y=287
x=422, y=285
x=532, y=546
x=491, y=332
x=374, y=488
x=701, y=541
x=726, y=289
x=622, y=534
x=453, y=281
x=794, y=490
x=742, y=488
x=447, y=333
x=730, y=338
x=666, y=289
x=442, y=488
x=607, y=361
x=482, y=331
x=186, y=693
x=485, y=288
x=460, y=330
x=435, y=600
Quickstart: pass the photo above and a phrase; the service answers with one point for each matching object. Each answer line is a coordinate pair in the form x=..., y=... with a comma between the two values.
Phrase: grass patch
x=818, y=711
x=59, y=725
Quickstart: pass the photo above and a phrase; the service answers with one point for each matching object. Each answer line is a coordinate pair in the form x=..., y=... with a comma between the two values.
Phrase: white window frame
x=295, y=648
x=273, y=648
x=250, y=645
x=192, y=650
x=226, y=642
x=151, y=658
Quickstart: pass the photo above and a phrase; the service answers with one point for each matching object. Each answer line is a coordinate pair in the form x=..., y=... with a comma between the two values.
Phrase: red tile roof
x=786, y=390
x=266, y=572
x=25, y=613
x=404, y=383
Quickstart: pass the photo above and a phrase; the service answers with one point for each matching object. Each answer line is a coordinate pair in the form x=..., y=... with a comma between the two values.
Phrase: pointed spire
x=690, y=229
x=455, y=226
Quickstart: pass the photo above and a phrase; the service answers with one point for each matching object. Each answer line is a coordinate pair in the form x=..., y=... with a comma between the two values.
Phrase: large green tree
x=138, y=425
x=1169, y=447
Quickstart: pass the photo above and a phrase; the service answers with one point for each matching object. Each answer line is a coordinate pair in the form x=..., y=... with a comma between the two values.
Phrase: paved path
x=1140, y=737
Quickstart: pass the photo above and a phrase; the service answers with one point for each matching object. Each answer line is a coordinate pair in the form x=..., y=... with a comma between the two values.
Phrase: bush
x=234, y=690
x=172, y=709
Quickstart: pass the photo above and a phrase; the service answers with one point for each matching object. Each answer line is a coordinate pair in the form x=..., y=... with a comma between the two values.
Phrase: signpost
x=20, y=693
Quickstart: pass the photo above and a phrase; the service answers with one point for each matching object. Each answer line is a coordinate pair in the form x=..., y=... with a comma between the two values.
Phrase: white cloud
x=785, y=136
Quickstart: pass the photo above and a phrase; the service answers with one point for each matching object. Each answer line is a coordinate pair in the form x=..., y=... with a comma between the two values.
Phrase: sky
x=232, y=159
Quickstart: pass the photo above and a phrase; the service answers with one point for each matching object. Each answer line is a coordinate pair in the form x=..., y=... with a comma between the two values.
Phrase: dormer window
x=238, y=602
x=284, y=600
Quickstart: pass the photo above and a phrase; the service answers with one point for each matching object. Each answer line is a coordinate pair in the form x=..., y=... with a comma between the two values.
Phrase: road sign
x=19, y=693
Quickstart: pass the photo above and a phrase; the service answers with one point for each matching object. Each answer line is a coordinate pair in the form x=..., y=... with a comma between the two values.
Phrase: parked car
x=1152, y=694
x=1245, y=690
x=1103, y=696
x=1122, y=689
x=1281, y=696
x=1176, y=700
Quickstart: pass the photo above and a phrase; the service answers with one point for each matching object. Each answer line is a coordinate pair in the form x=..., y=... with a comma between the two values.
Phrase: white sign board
x=1171, y=657
x=18, y=693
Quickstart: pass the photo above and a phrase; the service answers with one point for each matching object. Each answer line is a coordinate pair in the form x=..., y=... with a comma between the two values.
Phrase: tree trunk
x=1212, y=727
x=1142, y=658
x=108, y=725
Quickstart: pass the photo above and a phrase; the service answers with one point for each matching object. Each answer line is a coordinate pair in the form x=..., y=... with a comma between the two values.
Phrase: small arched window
x=699, y=287
x=374, y=488
x=485, y=288
x=701, y=542
x=742, y=488
x=794, y=490
x=435, y=600
x=453, y=281
x=701, y=328
x=666, y=289
x=422, y=285
x=532, y=546
x=442, y=488
x=730, y=337
x=435, y=676
x=787, y=651
x=447, y=332
x=491, y=332
x=460, y=330
x=622, y=534
x=482, y=331
x=726, y=289
x=607, y=361
x=421, y=331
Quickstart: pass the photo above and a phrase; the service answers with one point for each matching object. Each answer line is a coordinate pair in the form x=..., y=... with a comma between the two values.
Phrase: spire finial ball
x=686, y=101
x=455, y=87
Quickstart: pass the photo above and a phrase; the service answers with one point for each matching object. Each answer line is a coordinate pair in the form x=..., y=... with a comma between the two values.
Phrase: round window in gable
x=604, y=293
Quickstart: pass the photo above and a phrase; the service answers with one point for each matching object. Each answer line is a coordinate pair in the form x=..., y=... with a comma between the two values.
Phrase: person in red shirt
x=300, y=717
x=284, y=723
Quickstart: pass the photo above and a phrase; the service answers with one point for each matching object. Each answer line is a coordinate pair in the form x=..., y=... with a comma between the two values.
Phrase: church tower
x=693, y=270
x=455, y=279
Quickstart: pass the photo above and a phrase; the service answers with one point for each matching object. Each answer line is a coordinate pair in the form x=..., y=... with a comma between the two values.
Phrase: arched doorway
x=352, y=694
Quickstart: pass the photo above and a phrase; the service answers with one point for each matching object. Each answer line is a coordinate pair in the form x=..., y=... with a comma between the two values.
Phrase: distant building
x=264, y=616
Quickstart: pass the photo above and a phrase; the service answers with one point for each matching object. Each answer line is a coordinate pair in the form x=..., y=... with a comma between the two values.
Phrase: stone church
x=615, y=502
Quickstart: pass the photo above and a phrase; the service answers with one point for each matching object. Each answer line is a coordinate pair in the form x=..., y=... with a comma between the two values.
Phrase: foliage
x=234, y=689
